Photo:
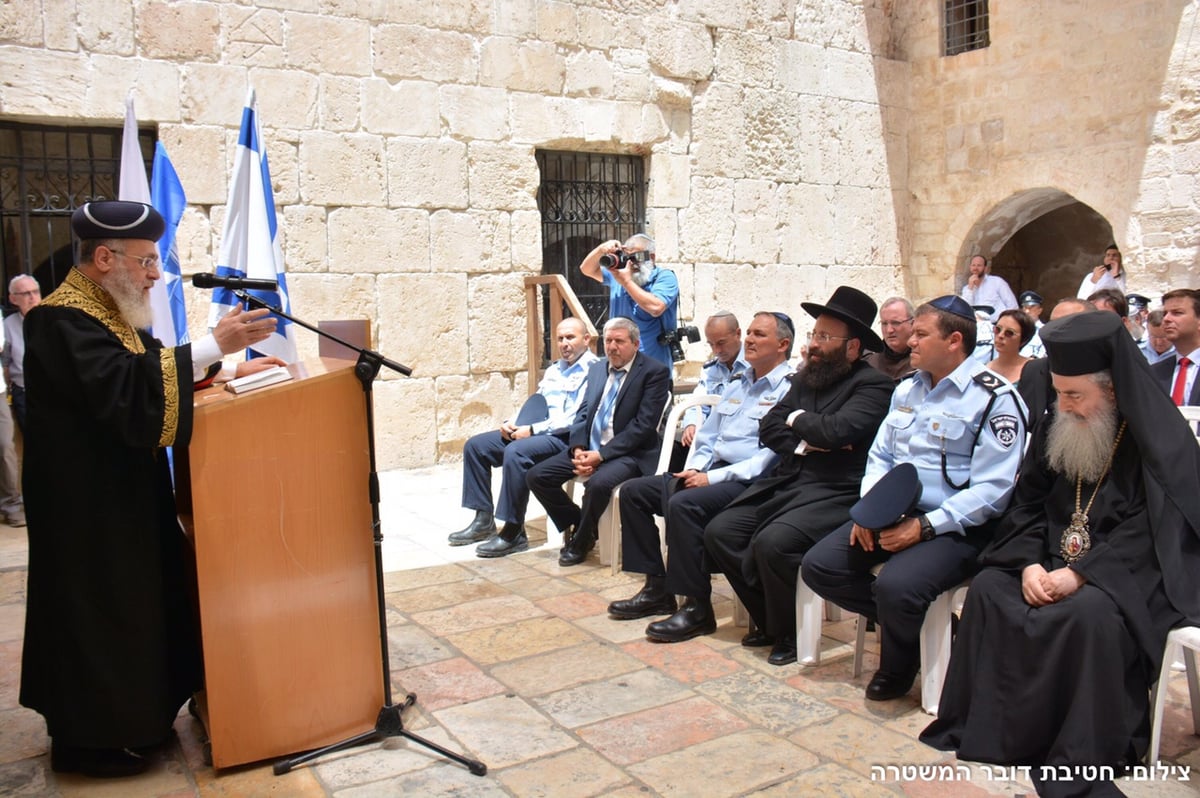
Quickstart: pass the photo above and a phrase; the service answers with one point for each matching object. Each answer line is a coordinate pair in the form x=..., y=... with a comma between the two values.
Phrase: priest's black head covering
x=1085, y=343
x=117, y=219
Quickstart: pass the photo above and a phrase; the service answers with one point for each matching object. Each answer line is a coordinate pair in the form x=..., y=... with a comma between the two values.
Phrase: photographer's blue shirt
x=664, y=285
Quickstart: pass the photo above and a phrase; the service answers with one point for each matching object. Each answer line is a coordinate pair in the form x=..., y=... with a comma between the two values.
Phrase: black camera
x=674, y=340
x=621, y=258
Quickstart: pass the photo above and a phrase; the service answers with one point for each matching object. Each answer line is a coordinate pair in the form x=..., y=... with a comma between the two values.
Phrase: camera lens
x=608, y=261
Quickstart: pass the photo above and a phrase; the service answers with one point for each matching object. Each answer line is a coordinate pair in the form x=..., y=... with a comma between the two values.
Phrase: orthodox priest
x=1063, y=631
x=111, y=645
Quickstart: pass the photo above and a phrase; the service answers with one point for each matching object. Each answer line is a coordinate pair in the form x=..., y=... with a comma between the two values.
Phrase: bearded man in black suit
x=821, y=431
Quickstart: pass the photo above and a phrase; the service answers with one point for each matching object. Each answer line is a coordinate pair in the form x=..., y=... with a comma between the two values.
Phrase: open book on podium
x=273, y=493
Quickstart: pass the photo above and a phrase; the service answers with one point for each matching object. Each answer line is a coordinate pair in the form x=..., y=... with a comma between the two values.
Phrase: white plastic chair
x=1186, y=641
x=609, y=530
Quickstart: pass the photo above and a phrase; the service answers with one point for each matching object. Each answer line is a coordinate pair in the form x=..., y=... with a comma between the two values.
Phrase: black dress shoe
x=101, y=763
x=693, y=619
x=885, y=686
x=577, y=550
x=784, y=652
x=482, y=528
x=757, y=639
x=503, y=544
x=652, y=599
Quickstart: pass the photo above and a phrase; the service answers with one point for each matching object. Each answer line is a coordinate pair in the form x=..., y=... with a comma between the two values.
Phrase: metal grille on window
x=585, y=199
x=965, y=26
x=46, y=172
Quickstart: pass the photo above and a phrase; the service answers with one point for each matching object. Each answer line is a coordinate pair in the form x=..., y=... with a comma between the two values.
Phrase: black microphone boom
x=233, y=283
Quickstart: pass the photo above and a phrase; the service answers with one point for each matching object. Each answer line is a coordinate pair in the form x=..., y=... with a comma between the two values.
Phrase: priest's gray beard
x=1080, y=447
x=131, y=299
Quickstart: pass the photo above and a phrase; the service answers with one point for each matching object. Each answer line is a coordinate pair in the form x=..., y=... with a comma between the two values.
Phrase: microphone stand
x=389, y=722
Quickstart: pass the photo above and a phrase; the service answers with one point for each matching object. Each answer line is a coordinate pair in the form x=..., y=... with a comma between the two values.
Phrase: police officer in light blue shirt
x=517, y=446
x=1031, y=304
x=725, y=457
x=724, y=336
x=963, y=428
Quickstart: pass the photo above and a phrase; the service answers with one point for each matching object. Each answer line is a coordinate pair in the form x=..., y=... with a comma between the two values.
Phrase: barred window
x=965, y=26
x=585, y=199
x=46, y=172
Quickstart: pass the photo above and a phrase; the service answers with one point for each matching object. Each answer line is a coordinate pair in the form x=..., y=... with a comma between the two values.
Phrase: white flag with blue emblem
x=250, y=245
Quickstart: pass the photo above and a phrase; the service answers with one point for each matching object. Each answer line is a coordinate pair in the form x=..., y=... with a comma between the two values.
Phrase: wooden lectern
x=273, y=493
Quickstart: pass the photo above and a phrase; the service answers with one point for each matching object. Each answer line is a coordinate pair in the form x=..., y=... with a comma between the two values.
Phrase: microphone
x=233, y=283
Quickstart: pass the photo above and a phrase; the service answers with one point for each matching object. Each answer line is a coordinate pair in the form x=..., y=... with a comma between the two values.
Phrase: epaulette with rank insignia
x=993, y=382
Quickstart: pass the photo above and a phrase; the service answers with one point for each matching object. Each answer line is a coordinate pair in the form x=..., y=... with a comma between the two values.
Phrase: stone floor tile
x=12, y=586
x=512, y=641
x=423, y=577
x=395, y=756
x=504, y=730
x=690, y=662
x=22, y=735
x=828, y=781
x=10, y=673
x=578, y=773
x=641, y=735
x=538, y=587
x=29, y=778
x=498, y=611
x=503, y=569
x=571, y=606
x=446, y=683
x=445, y=594
x=565, y=667
x=167, y=774
x=614, y=631
x=12, y=622
x=409, y=646
x=14, y=547
x=859, y=744
x=431, y=782
x=766, y=702
x=619, y=695
x=731, y=765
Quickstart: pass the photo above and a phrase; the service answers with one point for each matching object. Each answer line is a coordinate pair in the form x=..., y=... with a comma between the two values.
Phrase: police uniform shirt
x=714, y=380
x=1034, y=348
x=1152, y=357
x=924, y=420
x=563, y=386
x=729, y=436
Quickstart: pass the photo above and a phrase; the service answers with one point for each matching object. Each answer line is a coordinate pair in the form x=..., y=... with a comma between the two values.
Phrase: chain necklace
x=1076, y=539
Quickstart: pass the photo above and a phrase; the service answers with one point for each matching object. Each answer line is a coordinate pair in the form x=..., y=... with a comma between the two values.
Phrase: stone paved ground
x=515, y=662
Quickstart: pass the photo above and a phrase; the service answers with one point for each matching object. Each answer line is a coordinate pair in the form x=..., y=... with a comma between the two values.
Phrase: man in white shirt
x=984, y=288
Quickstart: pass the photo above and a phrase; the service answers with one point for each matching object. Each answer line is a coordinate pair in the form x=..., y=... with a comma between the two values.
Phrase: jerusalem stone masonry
x=790, y=146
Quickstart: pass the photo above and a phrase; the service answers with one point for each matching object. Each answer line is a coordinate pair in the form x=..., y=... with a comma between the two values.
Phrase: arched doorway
x=1043, y=240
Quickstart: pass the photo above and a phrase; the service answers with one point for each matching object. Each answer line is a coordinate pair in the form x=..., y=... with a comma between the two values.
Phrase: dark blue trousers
x=487, y=450
x=546, y=481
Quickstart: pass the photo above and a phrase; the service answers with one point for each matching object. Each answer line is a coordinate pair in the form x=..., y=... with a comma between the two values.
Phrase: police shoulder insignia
x=989, y=380
x=1004, y=427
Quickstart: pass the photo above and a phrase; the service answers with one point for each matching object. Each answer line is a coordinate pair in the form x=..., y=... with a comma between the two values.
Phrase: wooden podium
x=273, y=493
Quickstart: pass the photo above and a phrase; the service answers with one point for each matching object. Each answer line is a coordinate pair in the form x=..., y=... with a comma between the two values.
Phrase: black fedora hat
x=856, y=309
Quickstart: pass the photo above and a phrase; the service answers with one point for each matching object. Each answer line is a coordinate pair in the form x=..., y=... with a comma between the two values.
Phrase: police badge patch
x=1004, y=427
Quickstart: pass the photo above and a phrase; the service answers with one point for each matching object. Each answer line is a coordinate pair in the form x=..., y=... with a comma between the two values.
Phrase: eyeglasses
x=887, y=325
x=1004, y=332
x=33, y=292
x=147, y=262
x=824, y=338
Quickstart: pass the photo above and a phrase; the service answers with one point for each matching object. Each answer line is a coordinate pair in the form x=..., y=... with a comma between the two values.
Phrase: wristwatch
x=927, y=532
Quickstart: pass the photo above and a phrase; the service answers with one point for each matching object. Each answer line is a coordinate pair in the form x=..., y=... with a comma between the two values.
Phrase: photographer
x=638, y=289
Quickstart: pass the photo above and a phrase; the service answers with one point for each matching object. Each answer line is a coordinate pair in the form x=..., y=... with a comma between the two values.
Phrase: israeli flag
x=167, y=197
x=250, y=240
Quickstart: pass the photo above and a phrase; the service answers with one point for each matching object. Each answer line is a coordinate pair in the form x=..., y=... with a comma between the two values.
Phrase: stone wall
x=401, y=137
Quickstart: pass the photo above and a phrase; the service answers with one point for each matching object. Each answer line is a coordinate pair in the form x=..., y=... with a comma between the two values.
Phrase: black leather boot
x=482, y=528
x=694, y=618
x=512, y=539
x=577, y=550
x=652, y=599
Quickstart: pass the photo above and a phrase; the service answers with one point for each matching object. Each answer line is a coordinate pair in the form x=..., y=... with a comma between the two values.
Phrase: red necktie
x=1180, y=380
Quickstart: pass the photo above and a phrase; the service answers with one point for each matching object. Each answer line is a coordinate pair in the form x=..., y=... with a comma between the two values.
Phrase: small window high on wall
x=965, y=26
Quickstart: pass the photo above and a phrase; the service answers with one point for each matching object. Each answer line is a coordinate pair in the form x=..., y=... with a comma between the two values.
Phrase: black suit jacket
x=1164, y=370
x=636, y=415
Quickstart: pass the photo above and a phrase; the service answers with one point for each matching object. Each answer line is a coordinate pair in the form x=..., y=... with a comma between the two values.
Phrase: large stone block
x=199, y=156
x=497, y=319
x=807, y=230
x=342, y=169
x=745, y=290
x=21, y=23
x=503, y=176
x=850, y=76
x=866, y=226
x=679, y=49
x=521, y=65
x=716, y=13
x=557, y=22
x=464, y=15
x=706, y=225
x=756, y=222
x=423, y=321
x=516, y=18
x=253, y=36
x=861, y=154
x=213, y=94
x=307, y=246
x=467, y=406
x=424, y=173
x=775, y=142
x=640, y=123
x=598, y=28
x=747, y=59
x=469, y=242
x=378, y=240
x=405, y=423
x=670, y=177
x=338, y=104
x=186, y=31
x=405, y=108
x=474, y=112
x=526, y=238
x=26, y=75
x=663, y=227
x=326, y=44
x=286, y=97
x=401, y=52
x=589, y=73
x=282, y=164
x=719, y=130
x=772, y=17
x=105, y=26
x=155, y=86
x=315, y=297
x=801, y=67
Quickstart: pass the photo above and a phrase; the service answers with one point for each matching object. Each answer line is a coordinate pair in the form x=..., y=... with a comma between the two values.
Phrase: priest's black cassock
x=1067, y=683
x=111, y=648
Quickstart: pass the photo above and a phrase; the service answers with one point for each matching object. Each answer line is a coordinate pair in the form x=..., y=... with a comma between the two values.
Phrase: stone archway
x=1042, y=239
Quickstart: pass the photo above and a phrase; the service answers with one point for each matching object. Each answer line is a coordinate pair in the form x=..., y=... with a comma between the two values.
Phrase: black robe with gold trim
x=111, y=644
